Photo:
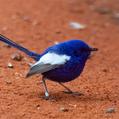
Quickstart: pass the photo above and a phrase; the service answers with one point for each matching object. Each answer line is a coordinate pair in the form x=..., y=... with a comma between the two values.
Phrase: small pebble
x=103, y=10
x=105, y=70
x=26, y=18
x=62, y=109
x=4, y=28
x=76, y=25
x=116, y=16
x=10, y=65
x=8, y=82
x=58, y=32
x=18, y=74
x=110, y=110
x=56, y=42
x=73, y=105
x=38, y=106
x=35, y=23
x=6, y=45
x=16, y=56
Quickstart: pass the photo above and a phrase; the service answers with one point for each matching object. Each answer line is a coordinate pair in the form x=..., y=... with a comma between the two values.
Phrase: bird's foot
x=73, y=93
x=46, y=97
x=49, y=98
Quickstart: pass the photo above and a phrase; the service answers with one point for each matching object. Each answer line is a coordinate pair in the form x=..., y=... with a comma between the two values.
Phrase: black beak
x=93, y=49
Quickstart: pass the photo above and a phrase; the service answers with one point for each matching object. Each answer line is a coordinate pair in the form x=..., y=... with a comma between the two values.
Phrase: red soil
x=37, y=24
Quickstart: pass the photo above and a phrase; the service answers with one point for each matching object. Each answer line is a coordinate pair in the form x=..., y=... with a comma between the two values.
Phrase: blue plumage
x=21, y=48
x=79, y=52
x=60, y=63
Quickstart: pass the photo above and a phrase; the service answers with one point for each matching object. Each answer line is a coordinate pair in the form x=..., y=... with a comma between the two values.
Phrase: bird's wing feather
x=48, y=62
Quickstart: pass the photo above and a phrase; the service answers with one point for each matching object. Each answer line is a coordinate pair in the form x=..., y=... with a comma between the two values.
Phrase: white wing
x=48, y=62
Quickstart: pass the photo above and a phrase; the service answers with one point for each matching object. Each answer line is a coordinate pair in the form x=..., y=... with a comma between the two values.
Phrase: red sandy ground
x=38, y=24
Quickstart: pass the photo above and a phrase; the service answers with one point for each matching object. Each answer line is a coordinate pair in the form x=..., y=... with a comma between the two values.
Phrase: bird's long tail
x=21, y=48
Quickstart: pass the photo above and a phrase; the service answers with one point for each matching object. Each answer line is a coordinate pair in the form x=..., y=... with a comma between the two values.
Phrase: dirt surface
x=38, y=24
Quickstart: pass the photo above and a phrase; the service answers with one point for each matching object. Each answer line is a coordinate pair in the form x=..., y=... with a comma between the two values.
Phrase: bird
x=61, y=63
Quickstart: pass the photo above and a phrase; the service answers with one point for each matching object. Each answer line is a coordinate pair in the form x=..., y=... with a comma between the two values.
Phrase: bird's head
x=80, y=48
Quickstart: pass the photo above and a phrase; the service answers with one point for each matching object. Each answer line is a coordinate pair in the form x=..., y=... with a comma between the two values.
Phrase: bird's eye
x=80, y=51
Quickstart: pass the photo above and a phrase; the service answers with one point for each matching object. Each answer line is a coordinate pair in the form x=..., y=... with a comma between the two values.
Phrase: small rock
x=56, y=42
x=35, y=23
x=58, y=32
x=6, y=45
x=38, y=106
x=62, y=109
x=16, y=56
x=76, y=25
x=110, y=110
x=18, y=74
x=4, y=28
x=10, y=65
x=103, y=10
x=72, y=105
x=26, y=18
x=105, y=70
x=8, y=82
x=116, y=16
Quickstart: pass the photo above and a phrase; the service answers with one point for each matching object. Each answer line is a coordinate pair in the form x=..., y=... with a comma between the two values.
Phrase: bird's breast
x=71, y=70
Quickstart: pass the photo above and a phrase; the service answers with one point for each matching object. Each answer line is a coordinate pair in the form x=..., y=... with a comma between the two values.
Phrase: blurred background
x=38, y=24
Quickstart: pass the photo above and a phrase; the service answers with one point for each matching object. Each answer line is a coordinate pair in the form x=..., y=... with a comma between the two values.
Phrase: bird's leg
x=45, y=88
x=69, y=91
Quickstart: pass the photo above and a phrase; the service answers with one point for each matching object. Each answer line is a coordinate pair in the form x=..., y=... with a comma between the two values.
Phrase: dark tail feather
x=21, y=48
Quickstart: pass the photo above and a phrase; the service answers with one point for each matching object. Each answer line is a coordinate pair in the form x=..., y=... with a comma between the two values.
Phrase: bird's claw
x=49, y=98
x=46, y=97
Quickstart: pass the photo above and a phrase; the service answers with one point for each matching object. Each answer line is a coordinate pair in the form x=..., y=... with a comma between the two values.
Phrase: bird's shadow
x=61, y=96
